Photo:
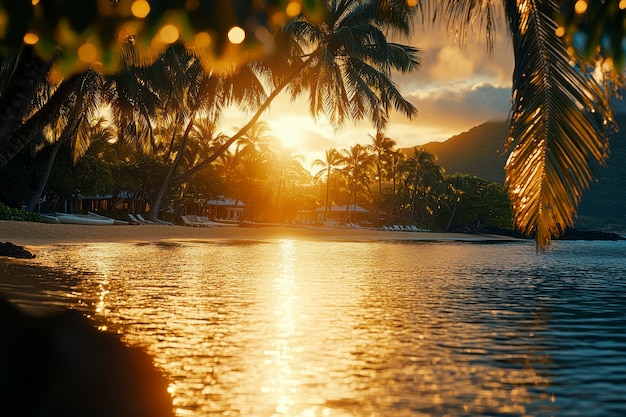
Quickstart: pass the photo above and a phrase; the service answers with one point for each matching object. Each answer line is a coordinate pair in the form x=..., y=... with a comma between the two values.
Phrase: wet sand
x=43, y=234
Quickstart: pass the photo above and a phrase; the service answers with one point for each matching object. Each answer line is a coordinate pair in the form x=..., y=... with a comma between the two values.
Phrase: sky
x=456, y=88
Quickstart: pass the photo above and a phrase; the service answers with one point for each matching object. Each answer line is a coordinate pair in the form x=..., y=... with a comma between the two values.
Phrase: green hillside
x=479, y=151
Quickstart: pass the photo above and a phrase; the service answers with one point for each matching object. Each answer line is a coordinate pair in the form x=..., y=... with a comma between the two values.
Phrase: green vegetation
x=479, y=152
x=8, y=213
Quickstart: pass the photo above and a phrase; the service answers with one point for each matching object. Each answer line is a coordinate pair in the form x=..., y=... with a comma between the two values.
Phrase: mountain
x=479, y=151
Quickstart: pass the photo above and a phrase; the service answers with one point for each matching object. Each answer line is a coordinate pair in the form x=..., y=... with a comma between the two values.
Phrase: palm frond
x=559, y=125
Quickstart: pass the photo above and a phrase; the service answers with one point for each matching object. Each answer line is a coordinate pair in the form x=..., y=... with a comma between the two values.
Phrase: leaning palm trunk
x=43, y=181
x=158, y=201
x=241, y=132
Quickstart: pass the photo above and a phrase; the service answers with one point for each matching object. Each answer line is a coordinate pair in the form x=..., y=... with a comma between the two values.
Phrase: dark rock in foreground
x=14, y=251
x=62, y=366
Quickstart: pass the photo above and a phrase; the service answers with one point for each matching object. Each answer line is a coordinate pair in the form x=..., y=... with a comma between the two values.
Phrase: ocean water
x=312, y=328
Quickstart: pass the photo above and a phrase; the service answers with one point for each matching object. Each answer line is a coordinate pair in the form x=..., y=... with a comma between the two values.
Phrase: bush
x=8, y=213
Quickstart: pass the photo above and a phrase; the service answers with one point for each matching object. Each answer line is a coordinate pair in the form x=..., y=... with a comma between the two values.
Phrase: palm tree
x=358, y=162
x=75, y=123
x=423, y=173
x=330, y=162
x=200, y=91
x=343, y=63
x=382, y=147
x=561, y=116
x=290, y=162
x=396, y=158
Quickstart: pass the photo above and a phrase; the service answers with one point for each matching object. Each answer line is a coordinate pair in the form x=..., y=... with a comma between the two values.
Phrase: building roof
x=230, y=202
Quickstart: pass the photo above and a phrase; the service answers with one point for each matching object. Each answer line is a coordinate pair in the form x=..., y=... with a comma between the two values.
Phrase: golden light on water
x=302, y=328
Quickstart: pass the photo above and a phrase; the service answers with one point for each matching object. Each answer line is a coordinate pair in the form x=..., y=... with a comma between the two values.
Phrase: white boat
x=84, y=219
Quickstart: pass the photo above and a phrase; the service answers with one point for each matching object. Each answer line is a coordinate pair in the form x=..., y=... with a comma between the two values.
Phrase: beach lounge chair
x=141, y=219
x=194, y=219
x=205, y=220
x=133, y=219
x=188, y=222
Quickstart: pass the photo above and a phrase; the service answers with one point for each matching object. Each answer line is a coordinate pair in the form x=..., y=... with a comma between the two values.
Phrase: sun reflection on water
x=319, y=329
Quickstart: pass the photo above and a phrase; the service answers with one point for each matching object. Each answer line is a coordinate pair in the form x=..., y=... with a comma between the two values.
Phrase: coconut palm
x=332, y=160
x=560, y=119
x=77, y=122
x=422, y=174
x=202, y=92
x=396, y=158
x=382, y=147
x=289, y=164
x=344, y=64
x=358, y=163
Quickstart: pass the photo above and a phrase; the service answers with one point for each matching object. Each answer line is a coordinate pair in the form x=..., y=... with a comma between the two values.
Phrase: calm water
x=309, y=328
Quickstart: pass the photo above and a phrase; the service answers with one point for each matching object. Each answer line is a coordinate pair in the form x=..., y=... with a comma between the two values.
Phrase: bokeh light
x=236, y=35
x=140, y=8
x=31, y=38
x=293, y=9
x=87, y=52
x=169, y=33
x=580, y=7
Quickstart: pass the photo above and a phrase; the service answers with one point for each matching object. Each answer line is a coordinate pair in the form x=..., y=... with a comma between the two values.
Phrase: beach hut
x=225, y=209
x=339, y=214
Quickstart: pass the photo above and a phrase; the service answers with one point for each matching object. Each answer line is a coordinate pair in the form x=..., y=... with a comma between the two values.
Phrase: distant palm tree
x=289, y=161
x=357, y=167
x=396, y=158
x=423, y=172
x=561, y=116
x=344, y=64
x=382, y=147
x=331, y=161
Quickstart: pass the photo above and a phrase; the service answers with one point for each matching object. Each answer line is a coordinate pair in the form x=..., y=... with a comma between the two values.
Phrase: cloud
x=451, y=64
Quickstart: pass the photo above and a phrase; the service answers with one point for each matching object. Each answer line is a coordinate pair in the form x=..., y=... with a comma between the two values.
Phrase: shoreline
x=43, y=234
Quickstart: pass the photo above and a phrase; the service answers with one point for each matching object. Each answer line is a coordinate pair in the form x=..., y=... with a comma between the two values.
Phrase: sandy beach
x=41, y=234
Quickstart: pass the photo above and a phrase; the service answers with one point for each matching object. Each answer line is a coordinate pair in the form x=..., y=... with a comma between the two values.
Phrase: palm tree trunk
x=393, y=202
x=43, y=181
x=158, y=201
x=414, y=197
x=456, y=202
x=280, y=186
x=250, y=123
x=327, y=208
